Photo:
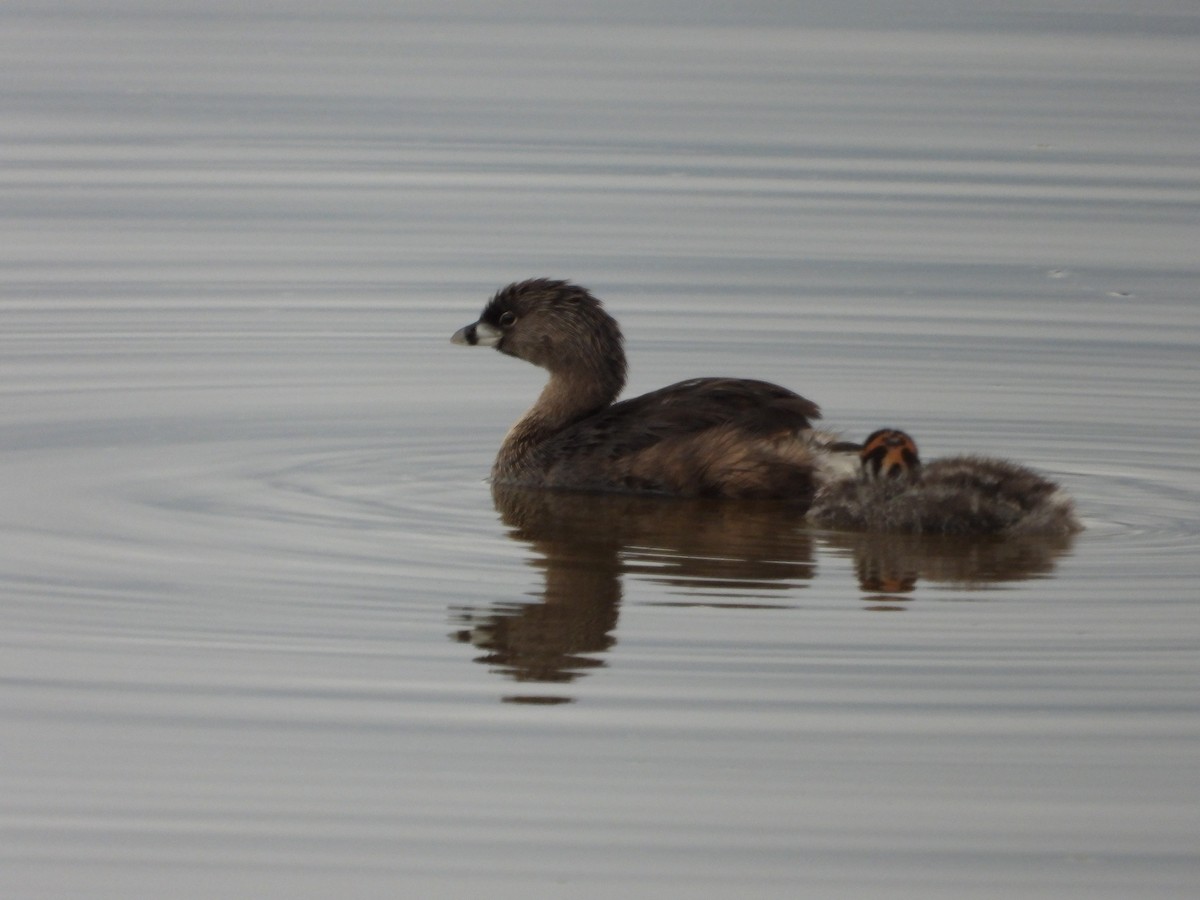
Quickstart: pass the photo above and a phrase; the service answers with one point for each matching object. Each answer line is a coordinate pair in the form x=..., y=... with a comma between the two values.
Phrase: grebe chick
x=965, y=495
x=718, y=437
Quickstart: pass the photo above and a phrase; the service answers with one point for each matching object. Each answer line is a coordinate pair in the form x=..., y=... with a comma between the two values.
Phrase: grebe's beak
x=477, y=334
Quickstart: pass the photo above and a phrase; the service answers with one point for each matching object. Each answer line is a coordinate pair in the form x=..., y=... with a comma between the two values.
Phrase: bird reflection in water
x=889, y=566
x=708, y=552
x=711, y=552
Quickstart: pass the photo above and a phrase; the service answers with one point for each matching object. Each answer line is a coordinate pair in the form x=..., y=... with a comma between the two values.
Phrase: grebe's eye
x=507, y=319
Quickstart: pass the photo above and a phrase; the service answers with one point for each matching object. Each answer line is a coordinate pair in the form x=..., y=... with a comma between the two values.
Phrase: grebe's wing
x=708, y=436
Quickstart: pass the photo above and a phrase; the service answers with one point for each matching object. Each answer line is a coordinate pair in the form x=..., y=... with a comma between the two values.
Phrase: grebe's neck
x=571, y=395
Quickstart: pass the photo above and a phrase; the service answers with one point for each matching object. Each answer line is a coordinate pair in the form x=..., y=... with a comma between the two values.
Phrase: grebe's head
x=889, y=454
x=557, y=325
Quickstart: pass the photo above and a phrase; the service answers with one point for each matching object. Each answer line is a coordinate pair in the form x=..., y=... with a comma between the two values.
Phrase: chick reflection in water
x=708, y=552
x=894, y=564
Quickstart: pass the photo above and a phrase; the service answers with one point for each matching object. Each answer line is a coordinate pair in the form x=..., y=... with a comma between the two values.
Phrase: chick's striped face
x=889, y=453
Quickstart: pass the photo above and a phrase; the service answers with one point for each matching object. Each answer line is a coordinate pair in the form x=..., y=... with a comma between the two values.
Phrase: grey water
x=267, y=632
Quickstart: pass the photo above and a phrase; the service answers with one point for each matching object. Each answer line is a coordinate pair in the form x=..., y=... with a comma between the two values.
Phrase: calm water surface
x=267, y=631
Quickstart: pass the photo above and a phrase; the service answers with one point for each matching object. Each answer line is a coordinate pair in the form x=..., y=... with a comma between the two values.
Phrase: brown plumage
x=720, y=437
x=965, y=495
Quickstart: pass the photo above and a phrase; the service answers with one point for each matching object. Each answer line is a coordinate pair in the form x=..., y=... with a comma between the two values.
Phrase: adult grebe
x=718, y=437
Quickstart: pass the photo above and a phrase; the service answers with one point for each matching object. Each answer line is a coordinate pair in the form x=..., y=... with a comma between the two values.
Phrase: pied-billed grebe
x=968, y=495
x=717, y=437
